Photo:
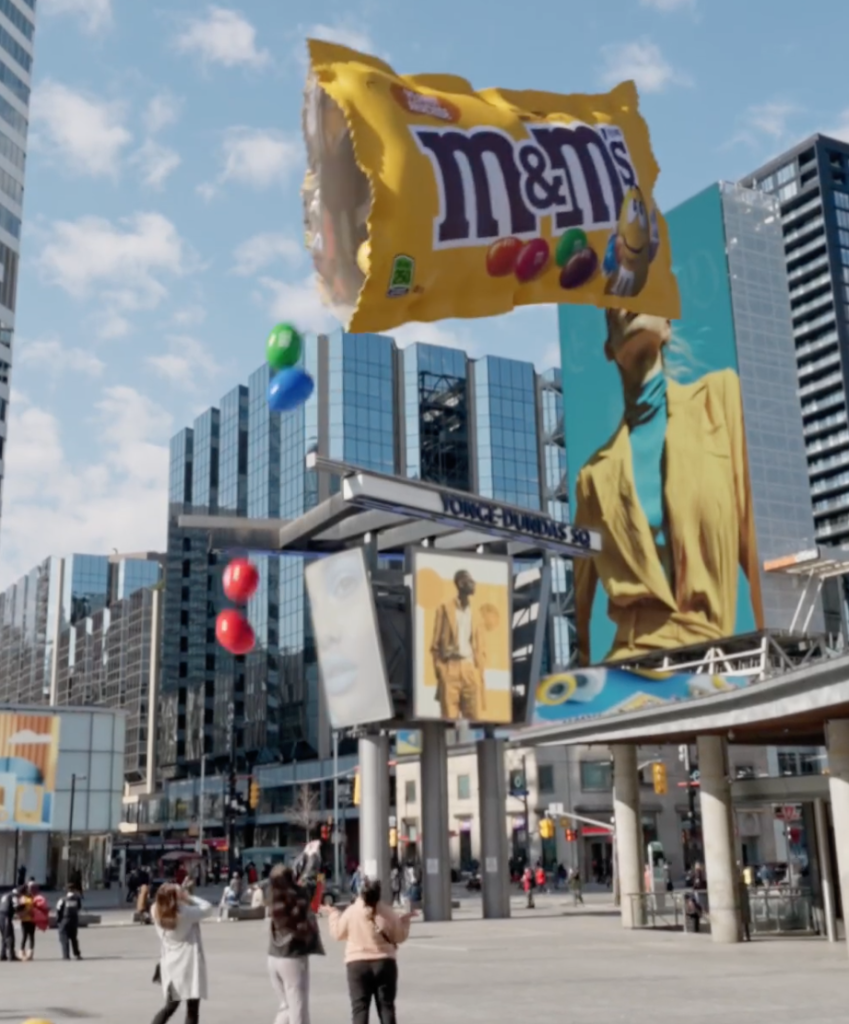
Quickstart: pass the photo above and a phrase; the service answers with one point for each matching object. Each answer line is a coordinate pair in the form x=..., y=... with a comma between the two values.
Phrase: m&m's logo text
x=491, y=185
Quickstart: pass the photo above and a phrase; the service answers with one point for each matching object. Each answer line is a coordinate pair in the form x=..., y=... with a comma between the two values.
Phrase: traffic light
x=393, y=839
x=546, y=828
x=253, y=798
x=571, y=835
x=658, y=775
x=357, y=789
x=325, y=833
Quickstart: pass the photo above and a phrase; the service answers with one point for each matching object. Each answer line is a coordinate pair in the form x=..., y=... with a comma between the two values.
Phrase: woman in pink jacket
x=373, y=932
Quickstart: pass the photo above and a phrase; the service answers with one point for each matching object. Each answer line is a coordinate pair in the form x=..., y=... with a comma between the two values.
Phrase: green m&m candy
x=283, y=347
x=571, y=243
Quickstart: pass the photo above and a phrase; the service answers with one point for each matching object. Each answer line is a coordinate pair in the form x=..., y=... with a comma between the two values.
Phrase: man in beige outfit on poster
x=459, y=655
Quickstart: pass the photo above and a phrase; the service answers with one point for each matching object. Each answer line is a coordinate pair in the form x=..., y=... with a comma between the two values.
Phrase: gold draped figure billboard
x=462, y=638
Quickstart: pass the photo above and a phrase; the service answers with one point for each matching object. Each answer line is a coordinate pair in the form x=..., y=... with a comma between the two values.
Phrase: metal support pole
x=825, y=873
x=527, y=811
x=435, y=848
x=71, y=825
x=337, y=871
x=229, y=811
x=17, y=847
x=492, y=796
x=374, y=808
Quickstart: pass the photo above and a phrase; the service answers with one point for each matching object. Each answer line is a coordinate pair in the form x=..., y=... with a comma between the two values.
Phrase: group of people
x=371, y=929
x=533, y=879
x=24, y=905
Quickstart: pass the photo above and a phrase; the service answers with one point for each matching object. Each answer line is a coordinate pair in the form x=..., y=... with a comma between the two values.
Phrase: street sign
x=555, y=809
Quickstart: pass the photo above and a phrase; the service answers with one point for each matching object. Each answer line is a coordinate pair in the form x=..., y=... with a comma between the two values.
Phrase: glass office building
x=425, y=412
x=810, y=186
x=17, y=33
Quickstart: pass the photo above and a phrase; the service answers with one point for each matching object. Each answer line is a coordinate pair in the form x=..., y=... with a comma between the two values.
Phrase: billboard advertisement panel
x=350, y=658
x=657, y=461
x=29, y=755
x=462, y=629
x=581, y=693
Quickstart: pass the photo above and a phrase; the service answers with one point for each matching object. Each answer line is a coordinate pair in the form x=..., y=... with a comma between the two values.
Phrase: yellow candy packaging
x=424, y=199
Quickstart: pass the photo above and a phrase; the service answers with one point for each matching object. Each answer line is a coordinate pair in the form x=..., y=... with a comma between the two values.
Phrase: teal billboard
x=657, y=461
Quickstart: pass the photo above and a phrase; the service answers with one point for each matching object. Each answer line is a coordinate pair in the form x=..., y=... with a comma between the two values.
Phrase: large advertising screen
x=657, y=461
x=350, y=658
x=29, y=755
x=462, y=630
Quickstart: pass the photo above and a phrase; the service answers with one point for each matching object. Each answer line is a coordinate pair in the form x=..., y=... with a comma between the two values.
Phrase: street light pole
x=74, y=778
x=337, y=873
x=527, y=811
x=230, y=819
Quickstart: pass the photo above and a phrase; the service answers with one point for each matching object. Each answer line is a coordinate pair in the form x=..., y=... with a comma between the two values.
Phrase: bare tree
x=304, y=809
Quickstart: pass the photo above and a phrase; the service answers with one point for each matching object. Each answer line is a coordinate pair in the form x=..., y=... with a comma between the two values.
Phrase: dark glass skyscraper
x=426, y=412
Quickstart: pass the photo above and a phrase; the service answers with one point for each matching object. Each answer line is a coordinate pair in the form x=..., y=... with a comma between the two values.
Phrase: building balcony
x=821, y=426
x=791, y=216
x=800, y=330
x=807, y=286
x=821, y=404
x=808, y=268
x=816, y=345
x=827, y=505
x=831, y=483
x=817, y=387
x=805, y=250
x=825, y=444
x=830, y=359
x=831, y=461
x=826, y=299
x=817, y=224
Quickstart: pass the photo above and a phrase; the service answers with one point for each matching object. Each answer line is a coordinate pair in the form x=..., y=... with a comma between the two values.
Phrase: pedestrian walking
x=28, y=913
x=396, y=885
x=745, y=907
x=528, y=885
x=68, y=911
x=182, y=964
x=231, y=897
x=541, y=878
x=373, y=932
x=294, y=938
x=9, y=907
x=576, y=886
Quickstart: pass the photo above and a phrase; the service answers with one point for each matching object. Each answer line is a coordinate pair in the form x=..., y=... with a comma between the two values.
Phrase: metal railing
x=780, y=911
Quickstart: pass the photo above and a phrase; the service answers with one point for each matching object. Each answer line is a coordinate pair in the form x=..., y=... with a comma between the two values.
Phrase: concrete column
x=628, y=827
x=153, y=689
x=374, y=808
x=492, y=796
x=838, y=787
x=436, y=855
x=718, y=835
x=824, y=870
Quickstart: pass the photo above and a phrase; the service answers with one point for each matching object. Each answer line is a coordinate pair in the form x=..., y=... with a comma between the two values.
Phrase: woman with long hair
x=182, y=965
x=373, y=932
x=294, y=938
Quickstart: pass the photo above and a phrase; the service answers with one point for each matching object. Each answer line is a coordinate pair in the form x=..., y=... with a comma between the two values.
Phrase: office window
x=410, y=791
x=744, y=771
x=785, y=173
x=841, y=200
x=464, y=787
x=788, y=191
x=17, y=18
x=843, y=237
x=768, y=183
x=596, y=776
x=545, y=777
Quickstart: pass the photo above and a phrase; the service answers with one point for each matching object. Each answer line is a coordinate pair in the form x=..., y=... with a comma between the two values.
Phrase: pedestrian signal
x=393, y=838
x=658, y=775
x=357, y=789
x=325, y=833
x=571, y=835
x=253, y=798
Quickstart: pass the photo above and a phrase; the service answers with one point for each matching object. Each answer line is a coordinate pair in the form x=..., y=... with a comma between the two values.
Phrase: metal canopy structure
x=395, y=514
x=814, y=566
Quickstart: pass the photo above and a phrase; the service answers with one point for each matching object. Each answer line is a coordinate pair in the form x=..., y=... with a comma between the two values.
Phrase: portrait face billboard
x=657, y=460
x=462, y=630
x=29, y=755
x=350, y=658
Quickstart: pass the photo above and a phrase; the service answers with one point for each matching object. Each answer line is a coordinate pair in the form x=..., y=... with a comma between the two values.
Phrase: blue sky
x=162, y=231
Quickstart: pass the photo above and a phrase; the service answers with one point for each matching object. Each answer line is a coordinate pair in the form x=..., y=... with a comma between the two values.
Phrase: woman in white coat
x=182, y=965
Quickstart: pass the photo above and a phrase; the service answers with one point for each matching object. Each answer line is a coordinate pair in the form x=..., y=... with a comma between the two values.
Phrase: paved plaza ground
x=553, y=964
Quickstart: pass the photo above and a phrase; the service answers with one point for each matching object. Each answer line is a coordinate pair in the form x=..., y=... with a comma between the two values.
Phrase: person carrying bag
x=294, y=937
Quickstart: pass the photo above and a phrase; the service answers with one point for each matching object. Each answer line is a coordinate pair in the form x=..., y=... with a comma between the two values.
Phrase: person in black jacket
x=294, y=938
x=9, y=907
x=68, y=922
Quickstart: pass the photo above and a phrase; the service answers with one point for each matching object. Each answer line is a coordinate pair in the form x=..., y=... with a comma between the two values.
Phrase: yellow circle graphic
x=556, y=689
x=430, y=589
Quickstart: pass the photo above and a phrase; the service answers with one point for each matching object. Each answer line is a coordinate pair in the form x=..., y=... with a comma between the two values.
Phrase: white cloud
x=298, y=303
x=768, y=122
x=87, y=134
x=121, y=264
x=190, y=316
x=55, y=359
x=162, y=111
x=94, y=14
x=186, y=360
x=345, y=35
x=116, y=500
x=256, y=157
x=156, y=162
x=642, y=61
x=26, y=737
x=258, y=252
x=223, y=36
x=667, y=6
